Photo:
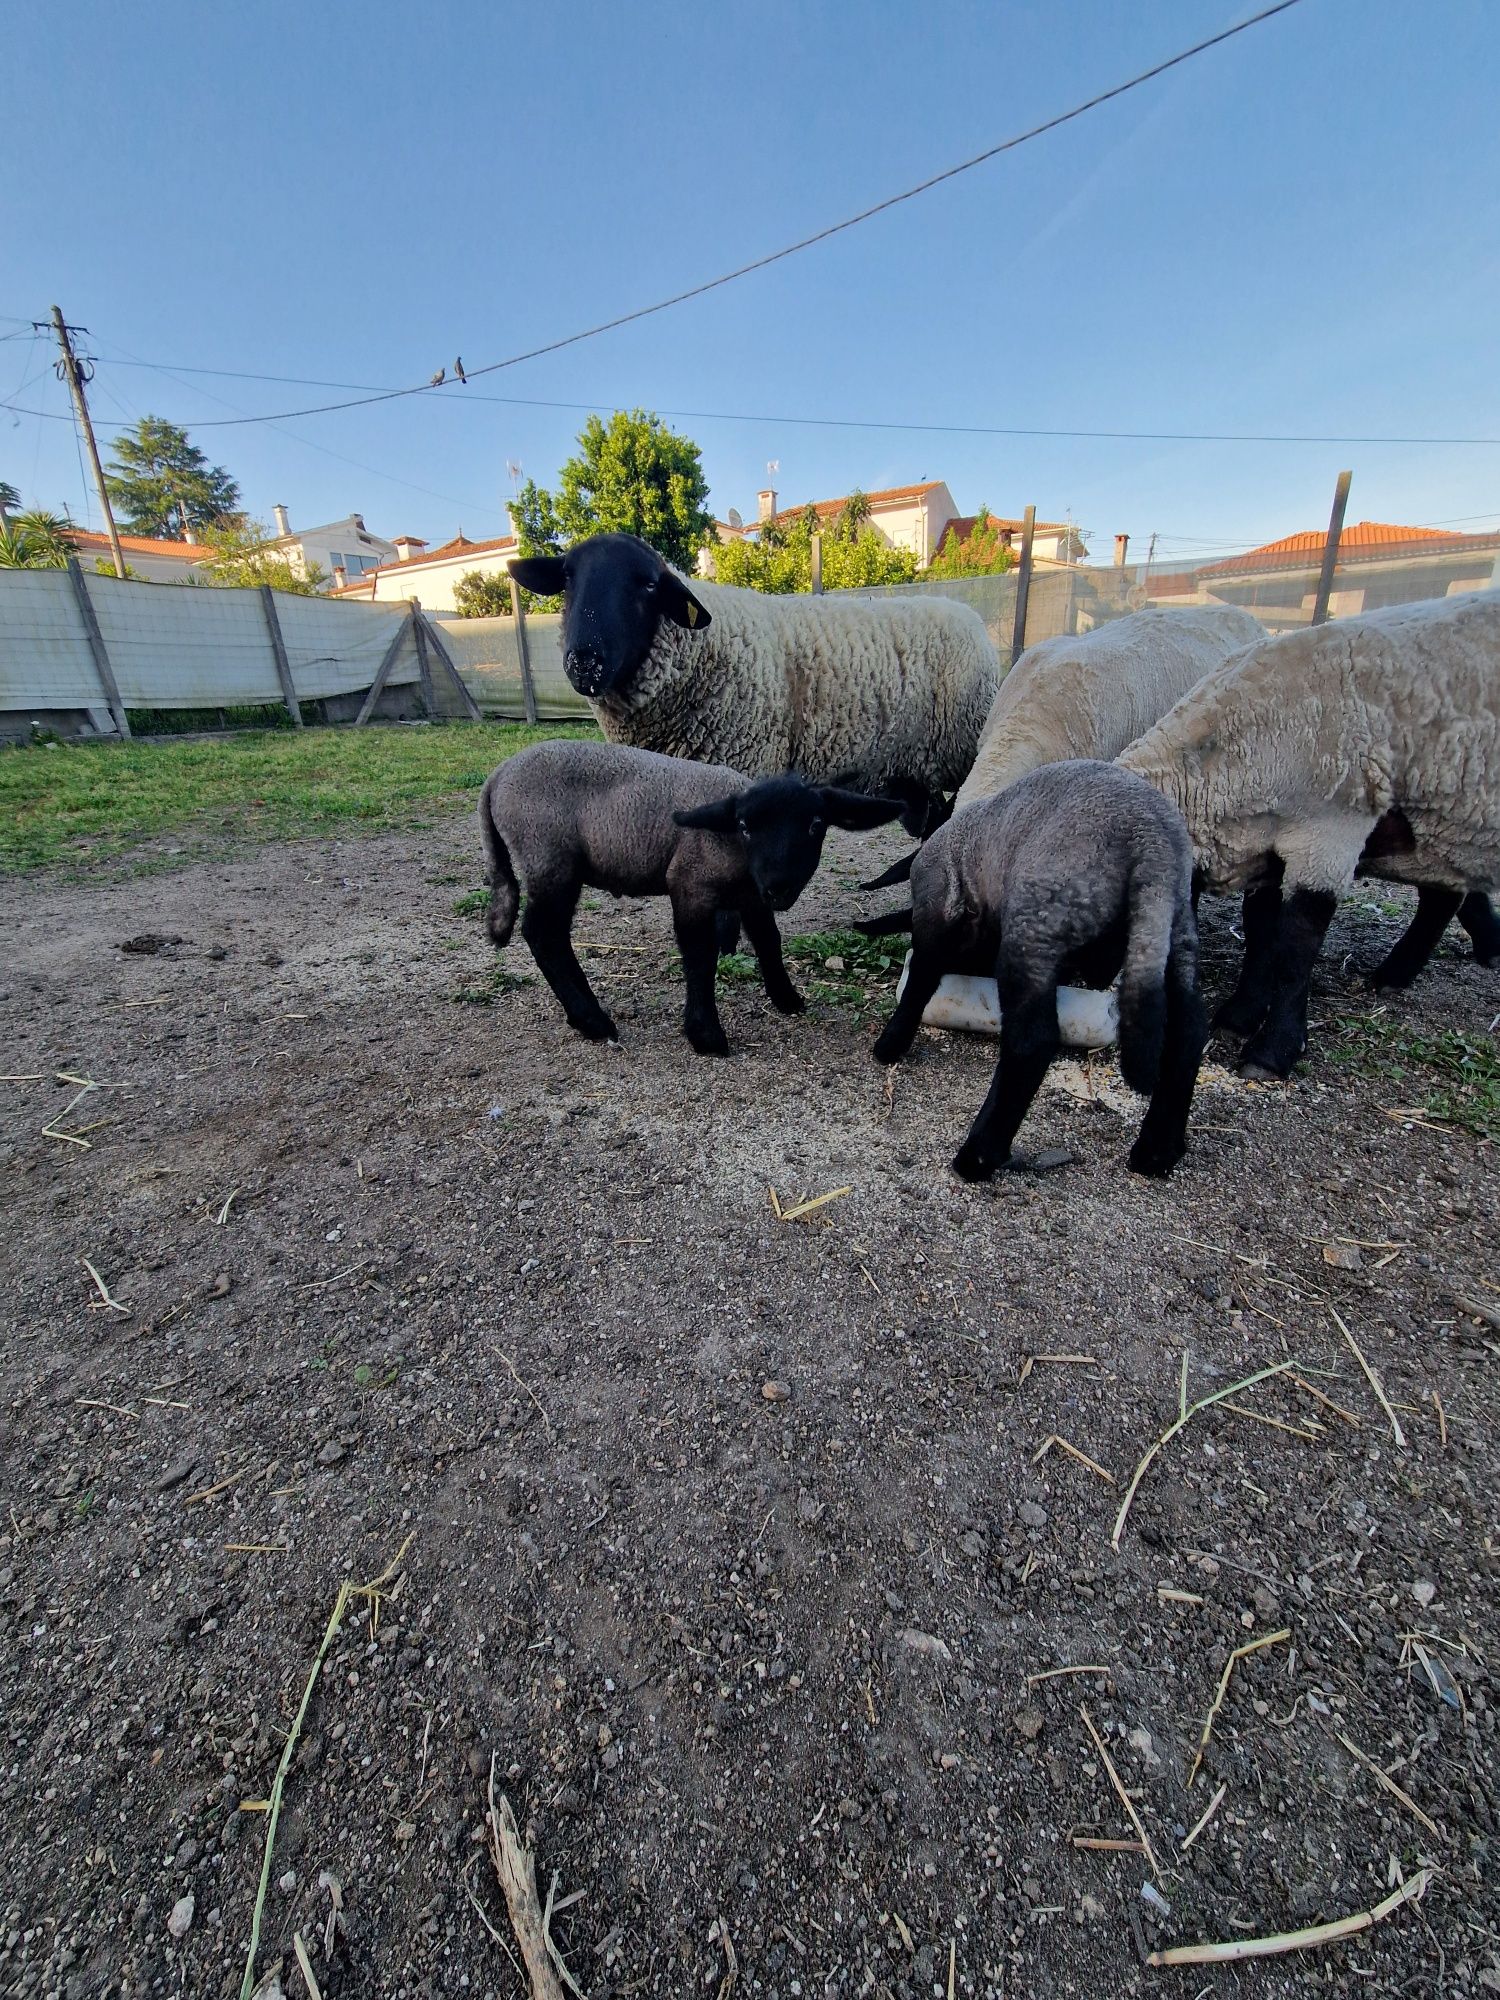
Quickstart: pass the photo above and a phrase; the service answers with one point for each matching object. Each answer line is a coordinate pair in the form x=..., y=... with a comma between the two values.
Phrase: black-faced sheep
x=1077, y=872
x=887, y=695
x=1368, y=746
x=562, y=816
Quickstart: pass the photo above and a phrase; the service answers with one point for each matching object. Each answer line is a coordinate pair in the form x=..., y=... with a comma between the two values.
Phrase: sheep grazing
x=885, y=695
x=562, y=816
x=1078, y=872
x=1370, y=746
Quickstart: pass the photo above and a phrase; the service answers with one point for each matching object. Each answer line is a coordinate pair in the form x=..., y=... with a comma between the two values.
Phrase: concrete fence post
x=98, y=648
x=1331, y=549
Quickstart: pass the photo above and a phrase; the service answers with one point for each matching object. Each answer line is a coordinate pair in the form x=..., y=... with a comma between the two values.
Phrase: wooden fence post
x=278, y=647
x=440, y=647
x=817, y=565
x=1023, y=586
x=424, y=664
x=523, y=649
x=1331, y=548
x=97, y=647
x=382, y=672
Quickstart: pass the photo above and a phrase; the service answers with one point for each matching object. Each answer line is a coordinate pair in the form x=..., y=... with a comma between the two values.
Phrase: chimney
x=1122, y=543
x=766, y=501
x=283, y=519
x=406, y=546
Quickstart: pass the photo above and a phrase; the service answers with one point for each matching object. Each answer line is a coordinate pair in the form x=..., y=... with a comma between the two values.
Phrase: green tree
x=164, y=485
x=477, y=595
x=36, y=541
x=855, y=557
x=983, y=552
x=245, y=556
x=10, y=500
x=631, y=476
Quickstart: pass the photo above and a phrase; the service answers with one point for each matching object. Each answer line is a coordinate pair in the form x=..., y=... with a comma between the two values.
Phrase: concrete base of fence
x=18, y=725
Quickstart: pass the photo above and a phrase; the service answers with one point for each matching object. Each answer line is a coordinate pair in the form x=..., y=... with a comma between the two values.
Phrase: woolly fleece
x=1093, y=695
x=1300, y=745
x=841, y=689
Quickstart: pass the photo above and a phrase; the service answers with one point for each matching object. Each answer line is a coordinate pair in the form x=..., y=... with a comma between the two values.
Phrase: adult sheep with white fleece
x=885, y=696
x=1369, y=746
x=1094, y=694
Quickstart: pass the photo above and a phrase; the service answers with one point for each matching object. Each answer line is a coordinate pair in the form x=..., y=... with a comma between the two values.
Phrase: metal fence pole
x=278, y=647
x=523, y=649
x=97, y=647
x=1023, y=586
x=1331, y=548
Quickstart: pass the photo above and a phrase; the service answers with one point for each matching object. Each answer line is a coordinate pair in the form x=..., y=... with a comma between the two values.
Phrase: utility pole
x=72, y=372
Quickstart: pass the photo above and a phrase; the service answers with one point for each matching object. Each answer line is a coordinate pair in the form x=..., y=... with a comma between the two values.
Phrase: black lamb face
x=615, y=592
x=780, y=825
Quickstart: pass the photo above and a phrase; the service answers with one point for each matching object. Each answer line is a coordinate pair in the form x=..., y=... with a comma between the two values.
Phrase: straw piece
x=1239, y=1653
x=1186, y=1417
x=1273, y=1423
x=1389, y=1783
x=1208, y=1812
x=304, y=1966
x=1268, y=1947
x=1073, y=1452
x=104, y=1302
x=1327, y=1401
x=1124, y=1796
x=1371, y=1377
x=1055, y=1673
x=807, y=1207
x=515, y=1870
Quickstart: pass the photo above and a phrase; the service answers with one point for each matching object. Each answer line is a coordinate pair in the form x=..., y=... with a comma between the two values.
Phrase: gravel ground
x=735, y=1541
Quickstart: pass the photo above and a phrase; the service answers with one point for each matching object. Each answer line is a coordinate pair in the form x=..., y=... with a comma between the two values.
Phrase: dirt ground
x=772, y=1679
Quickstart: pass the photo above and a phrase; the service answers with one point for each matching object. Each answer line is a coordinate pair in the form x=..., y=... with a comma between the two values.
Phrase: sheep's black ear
x=855, y=811
x=717, y=818
x=541, y=574
x=679, y=604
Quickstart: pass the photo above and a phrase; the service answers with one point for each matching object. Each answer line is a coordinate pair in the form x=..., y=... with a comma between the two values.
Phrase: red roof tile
x=1364, y=539
x=446, y=552
x=142, y=545
x=887, y=497
x=962, y=526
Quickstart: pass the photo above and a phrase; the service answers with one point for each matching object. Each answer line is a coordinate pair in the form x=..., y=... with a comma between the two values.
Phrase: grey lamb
x=562, y=816
x=1075, y=873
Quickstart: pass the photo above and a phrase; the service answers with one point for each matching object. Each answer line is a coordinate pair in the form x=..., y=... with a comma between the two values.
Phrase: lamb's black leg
x=1477, y=915
x=1435, y=910
x=1305, y=917
x=1028, y=1042
x=1162, y=1140
x=1245, y=1009
x=923, y=976
x=765, y=939
x=727, y=931
x=697, y=940
x=547, y=927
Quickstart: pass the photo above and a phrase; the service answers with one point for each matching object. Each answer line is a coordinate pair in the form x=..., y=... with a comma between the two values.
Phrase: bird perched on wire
x=439, y=379
x=458, y=369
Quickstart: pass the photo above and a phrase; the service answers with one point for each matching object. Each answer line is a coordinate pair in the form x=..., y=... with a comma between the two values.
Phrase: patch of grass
x=78, y=804
x=471, y=903
x=366, y=1376
x=491, y=986
x=1451, y=1075
x=861, y=977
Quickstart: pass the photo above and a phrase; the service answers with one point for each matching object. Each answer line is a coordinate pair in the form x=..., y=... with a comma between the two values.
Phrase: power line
x=805, y=242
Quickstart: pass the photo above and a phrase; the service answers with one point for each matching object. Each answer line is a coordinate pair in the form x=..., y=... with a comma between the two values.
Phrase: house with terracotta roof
x=1051, y=541
x=343, y=550
x=1379, y=563
x=151, y=560
x=429, y=575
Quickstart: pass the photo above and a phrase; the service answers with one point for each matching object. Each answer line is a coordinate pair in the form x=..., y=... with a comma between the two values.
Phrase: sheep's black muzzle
x=587, y=672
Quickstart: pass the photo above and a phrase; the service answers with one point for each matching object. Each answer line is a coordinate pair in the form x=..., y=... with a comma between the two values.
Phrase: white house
x=151, y=560
x=429, y=574
x=908, y=517
x=1051, y=541
x=343, y=550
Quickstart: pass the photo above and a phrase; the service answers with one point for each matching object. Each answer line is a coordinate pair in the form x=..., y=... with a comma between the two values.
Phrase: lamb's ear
x=717, y=818
x=541, y=574
x=679, y=604
x=855, y=811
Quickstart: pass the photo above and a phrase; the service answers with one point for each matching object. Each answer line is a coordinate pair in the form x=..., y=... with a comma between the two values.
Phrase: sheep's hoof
x=1392, y=973
x=708, y=1041
x=1236, y=1017
x=789, y=1002
x=1154, y=1161
x=889, y=1050
x=594, y=1027
x=1264, y=1072
x=970, y=1164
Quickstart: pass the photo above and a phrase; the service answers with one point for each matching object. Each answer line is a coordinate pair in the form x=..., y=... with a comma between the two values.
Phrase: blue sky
x=1295, y=232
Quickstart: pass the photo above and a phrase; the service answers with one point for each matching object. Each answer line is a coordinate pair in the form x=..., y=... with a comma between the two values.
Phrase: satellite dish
x=736, y=520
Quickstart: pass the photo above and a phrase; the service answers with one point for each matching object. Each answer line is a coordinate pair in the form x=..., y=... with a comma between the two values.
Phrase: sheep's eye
x=816, y=826
x=744, y=828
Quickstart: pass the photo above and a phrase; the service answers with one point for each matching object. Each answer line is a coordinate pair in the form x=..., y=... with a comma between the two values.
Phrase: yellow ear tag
x=692, y=611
